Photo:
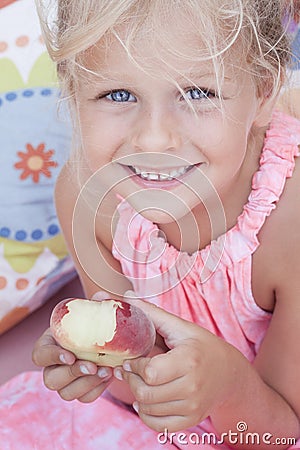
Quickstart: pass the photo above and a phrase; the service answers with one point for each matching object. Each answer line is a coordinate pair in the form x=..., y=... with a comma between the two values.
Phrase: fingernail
x=101, y=295
x=62, y=359
x=102, y=372
x=130, y=294
x=84, y=370
x=127, y=367
x=66, y=359
x=135, y=407
x=118, y=374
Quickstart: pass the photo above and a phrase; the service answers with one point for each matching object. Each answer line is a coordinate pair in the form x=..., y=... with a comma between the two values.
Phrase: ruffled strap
x=277, y=163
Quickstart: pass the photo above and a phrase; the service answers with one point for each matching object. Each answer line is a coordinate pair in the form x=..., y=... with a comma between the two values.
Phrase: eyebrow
x=195, y=75
x=126, y=78
x=200, y=74
x=100, y=77
x=104, y=76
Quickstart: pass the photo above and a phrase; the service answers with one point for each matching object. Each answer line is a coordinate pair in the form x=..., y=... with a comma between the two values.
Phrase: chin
x=159, y=207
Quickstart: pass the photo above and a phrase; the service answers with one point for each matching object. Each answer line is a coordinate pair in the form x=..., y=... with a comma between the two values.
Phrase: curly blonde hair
x=254, y=26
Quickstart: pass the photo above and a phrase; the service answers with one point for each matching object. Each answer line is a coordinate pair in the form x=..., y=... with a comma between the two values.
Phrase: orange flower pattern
x=35, y=162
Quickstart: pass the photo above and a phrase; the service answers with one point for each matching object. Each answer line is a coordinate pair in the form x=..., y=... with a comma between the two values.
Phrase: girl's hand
x=180, y=388
x=71, y=378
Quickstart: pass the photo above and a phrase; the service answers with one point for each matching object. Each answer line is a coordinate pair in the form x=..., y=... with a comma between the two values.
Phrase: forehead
x=113, y=53
x=171, y=53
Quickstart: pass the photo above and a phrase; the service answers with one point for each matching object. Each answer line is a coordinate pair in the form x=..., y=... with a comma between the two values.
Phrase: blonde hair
x=71, y=27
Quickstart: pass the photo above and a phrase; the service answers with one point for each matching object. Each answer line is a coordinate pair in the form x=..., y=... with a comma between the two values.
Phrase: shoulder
x=67, y=190
x=87, y=228
x=277, y=258
x=75, y=200
x=278, y=261
x=65, y=196
x=286, y=228
x=282, y=230
x=280, y=235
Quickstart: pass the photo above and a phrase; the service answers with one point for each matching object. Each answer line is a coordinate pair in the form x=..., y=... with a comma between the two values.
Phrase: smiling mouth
x=162, y=175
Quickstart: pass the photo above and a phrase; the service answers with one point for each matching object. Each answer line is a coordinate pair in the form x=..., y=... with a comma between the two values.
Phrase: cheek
x=99, y=140
x=219, y=139
x=225, y=152
x=212, y=131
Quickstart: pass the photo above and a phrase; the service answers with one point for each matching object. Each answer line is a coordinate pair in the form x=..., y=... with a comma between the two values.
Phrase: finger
x=145, y=394
x=82, y=387
x=101, y=295
x=160, y=369
x=57, y=377
x=46, y=352
x=172, y=408
x=129, y=294
x=184, y=407
x=92, y=395
x=172, y=423
x=171, y=327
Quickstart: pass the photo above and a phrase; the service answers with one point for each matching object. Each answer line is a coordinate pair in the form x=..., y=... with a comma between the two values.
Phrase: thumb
x=172, y=328
x=101, y=295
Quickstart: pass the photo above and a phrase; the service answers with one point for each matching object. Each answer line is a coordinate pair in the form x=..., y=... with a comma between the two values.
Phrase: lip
x=159, y=184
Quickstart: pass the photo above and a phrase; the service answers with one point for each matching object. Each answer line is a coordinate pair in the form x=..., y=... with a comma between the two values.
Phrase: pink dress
x=211, y=287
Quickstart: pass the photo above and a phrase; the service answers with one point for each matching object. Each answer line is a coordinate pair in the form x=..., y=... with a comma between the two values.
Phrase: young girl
x=181, y=187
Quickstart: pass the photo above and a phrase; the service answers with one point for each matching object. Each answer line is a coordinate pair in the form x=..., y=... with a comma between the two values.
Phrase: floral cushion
x=34, y=144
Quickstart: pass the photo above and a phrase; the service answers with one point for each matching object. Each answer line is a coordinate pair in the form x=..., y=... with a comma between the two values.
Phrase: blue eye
x=120, y=96
x=199, y=94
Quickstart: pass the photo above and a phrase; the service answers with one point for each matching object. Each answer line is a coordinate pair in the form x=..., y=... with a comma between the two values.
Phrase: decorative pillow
x=34, y=144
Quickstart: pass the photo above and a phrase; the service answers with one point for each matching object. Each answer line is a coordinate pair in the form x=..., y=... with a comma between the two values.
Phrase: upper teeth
x=165, y=175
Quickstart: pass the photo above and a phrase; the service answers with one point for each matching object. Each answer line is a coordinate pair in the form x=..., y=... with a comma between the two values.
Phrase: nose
x=156, y=131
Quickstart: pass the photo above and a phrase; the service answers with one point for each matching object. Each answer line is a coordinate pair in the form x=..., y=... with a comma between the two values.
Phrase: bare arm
x=267, y=395
x=108, y=275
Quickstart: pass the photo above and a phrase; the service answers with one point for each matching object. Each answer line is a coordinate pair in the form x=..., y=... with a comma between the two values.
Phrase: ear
x=289, y=102
x=268, y=94
x=265, y=109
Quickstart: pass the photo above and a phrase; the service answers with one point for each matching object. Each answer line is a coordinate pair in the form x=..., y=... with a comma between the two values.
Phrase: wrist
x=234, y=376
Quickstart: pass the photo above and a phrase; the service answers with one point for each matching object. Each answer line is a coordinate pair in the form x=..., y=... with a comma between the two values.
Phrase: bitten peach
x=106, y=332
